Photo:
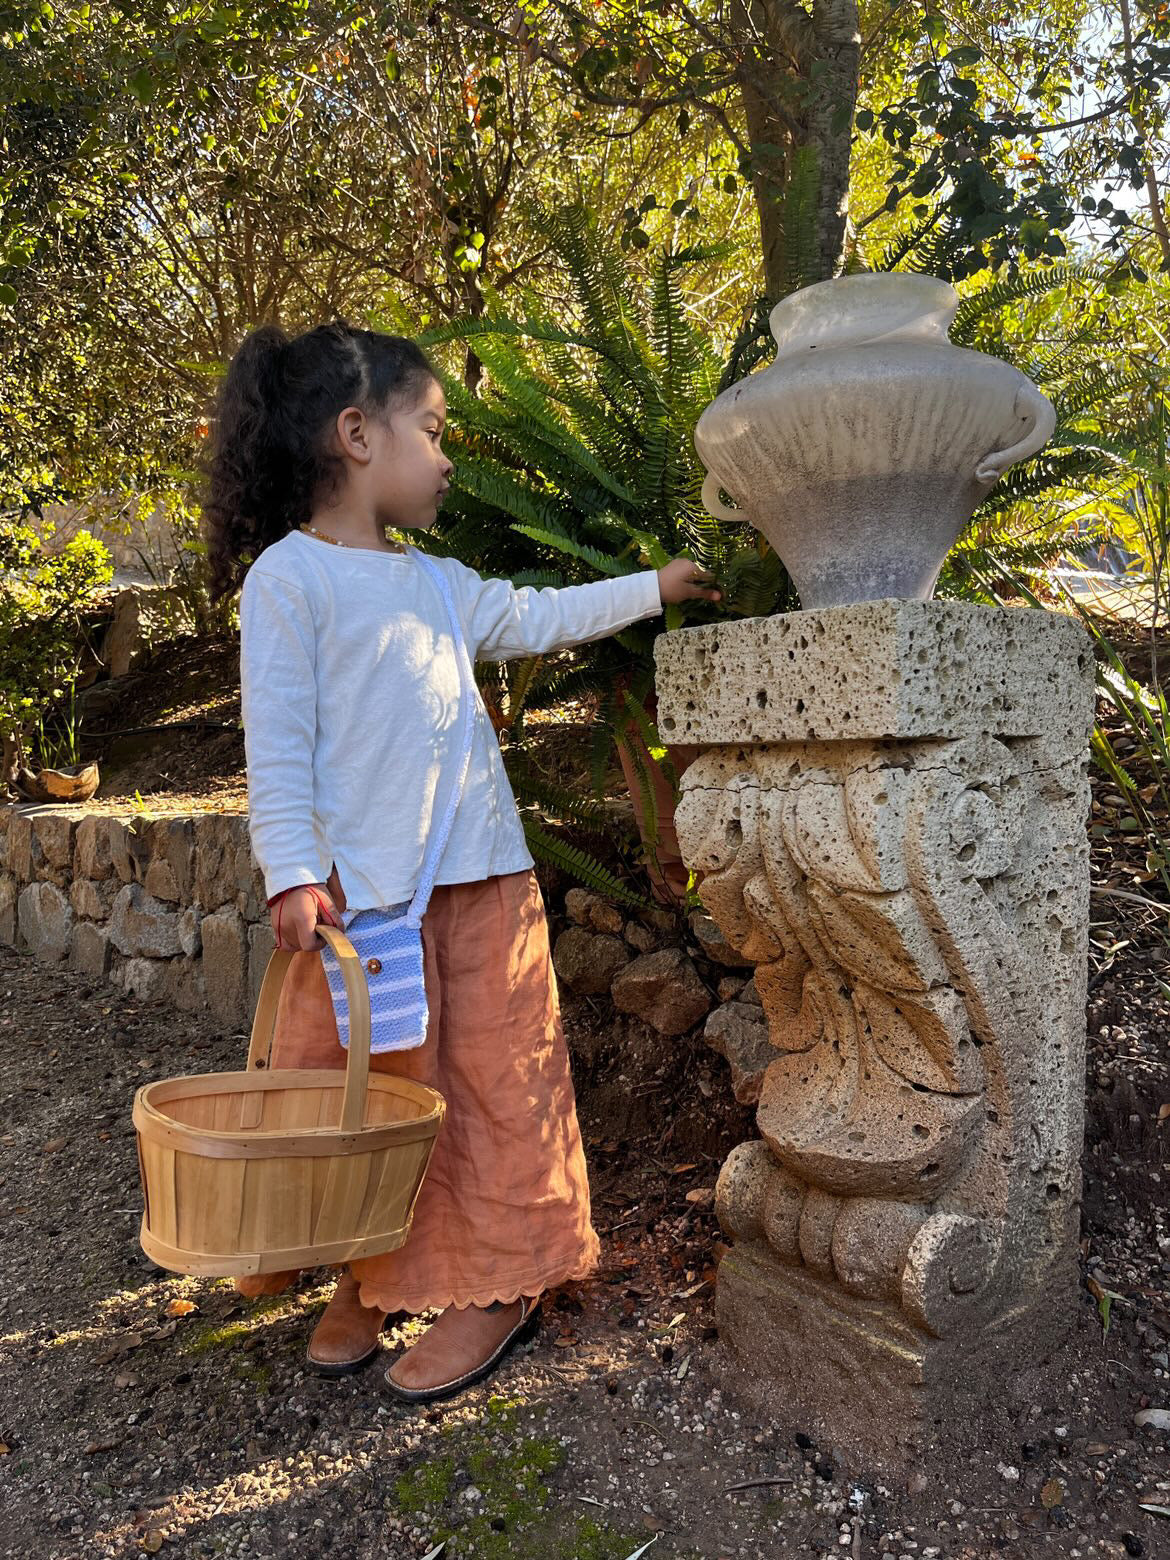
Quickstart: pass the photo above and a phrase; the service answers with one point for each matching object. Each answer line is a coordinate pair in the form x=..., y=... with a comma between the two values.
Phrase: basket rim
x=308, y=1077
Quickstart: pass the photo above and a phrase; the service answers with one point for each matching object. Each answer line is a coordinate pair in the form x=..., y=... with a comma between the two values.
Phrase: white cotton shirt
x=350, y=700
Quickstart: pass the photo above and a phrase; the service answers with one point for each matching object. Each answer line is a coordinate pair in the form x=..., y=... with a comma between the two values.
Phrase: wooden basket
x=257, y=1171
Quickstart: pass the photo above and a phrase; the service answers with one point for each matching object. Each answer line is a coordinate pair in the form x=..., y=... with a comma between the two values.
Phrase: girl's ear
x=353, y=435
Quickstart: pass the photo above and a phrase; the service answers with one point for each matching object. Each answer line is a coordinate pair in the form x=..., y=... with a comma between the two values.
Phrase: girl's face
x=397, y=470
x=410, y=473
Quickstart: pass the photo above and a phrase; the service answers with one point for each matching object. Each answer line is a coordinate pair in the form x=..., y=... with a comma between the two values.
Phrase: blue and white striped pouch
x=389, y=945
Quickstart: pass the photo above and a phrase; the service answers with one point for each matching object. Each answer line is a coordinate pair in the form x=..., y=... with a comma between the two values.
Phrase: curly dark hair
x=270, y=460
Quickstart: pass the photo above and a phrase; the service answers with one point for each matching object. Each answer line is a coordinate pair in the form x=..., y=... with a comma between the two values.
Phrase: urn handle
x=714, y=505
x=1029, y=400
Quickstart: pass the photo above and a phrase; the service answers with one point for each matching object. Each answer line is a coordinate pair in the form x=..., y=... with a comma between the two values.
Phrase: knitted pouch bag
x=388, y=940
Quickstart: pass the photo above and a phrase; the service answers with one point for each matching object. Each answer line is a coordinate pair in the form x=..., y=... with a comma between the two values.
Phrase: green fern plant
x=576, y=461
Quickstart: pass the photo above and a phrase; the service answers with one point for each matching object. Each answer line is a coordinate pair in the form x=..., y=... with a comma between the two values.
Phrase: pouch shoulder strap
x=437, y=839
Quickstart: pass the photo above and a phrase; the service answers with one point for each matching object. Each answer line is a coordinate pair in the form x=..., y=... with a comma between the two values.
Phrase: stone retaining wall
x=170, y=908
x=174, y=909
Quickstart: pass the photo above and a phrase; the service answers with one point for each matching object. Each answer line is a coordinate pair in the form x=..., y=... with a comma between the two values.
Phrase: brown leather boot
x=253, y=1285
x=460, y=1348
x=348, y=1335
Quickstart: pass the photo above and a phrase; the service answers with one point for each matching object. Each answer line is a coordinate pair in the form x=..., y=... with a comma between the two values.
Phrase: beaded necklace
x=311, y=530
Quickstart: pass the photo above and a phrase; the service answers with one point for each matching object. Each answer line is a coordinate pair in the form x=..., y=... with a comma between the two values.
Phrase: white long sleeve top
x=350, y=702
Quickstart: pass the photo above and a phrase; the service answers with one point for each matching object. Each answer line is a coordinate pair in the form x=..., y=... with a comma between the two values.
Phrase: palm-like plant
x=577, y=461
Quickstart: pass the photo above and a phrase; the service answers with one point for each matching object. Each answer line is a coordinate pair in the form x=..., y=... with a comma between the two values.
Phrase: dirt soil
x=144, y=1412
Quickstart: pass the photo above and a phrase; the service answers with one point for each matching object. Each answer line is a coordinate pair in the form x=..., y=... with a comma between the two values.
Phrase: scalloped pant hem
x=504, y=1288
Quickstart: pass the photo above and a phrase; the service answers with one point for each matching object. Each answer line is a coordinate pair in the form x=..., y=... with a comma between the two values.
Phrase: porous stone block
x=904, y=858
x=875, y=670
x=225, y=965
x=142, y=927
x=663, y=989
x=44, y=921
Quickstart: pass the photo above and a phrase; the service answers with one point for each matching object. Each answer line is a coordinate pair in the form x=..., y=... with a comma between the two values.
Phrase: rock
x=641, y=937
x=20, y=859
x=92, y=852
x=587, y=909
x=1153, y=1419
x=159, y=881
x=664, y=990
x=729, y=987
x=739, y=1032
x=261, y=943
x=145, y=979
x=172, y=847
x=714, y=944
x=129, y=850
x=141, y=927
x=184, y=984
x=218, y=837
x=89, y=948
x=190, y=928
x=44, y=921
x=588, y=961
x=91, y=900
x=53, y=834
x=9, y=890
x=750, y=994
x=225, y=965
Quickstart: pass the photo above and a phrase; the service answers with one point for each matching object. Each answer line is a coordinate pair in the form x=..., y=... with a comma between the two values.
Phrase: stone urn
x=862, y=451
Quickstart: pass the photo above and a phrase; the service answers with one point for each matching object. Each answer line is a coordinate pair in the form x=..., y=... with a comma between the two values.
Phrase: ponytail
x=271, y=461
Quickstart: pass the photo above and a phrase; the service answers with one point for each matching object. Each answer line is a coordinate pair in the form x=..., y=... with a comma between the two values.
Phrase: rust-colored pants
x=504, y=1209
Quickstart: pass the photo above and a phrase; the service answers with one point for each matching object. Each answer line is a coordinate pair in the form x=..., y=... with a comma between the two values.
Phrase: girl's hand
x=678, y=581
x=296, y=913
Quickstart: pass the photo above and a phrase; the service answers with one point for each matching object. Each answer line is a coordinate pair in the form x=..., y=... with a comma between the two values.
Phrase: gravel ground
x=143, y=1412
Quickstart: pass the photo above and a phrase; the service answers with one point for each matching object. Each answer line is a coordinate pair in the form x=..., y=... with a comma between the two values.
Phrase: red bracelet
x=278, y=900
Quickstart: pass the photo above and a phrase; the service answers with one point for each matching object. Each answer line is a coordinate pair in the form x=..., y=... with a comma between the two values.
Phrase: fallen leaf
x=680, y=1169
x=152, y=1541
x=4, y=1448
x=100, y=1446
x=1163, y=1112
x=433, y=1554
x=701, y=1194
x=54, y=1145
x=1052, y=1494
x=181, y=1308
x=642, y=1550
x=565, y=1341
x=122, y=1345
x=1158, y=1511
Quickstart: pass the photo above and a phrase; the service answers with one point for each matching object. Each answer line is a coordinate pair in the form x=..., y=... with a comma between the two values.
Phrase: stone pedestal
x=889, y=815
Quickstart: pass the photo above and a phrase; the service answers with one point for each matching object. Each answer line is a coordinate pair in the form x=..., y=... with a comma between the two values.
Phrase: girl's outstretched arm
x=506, y=621
x=278, y=692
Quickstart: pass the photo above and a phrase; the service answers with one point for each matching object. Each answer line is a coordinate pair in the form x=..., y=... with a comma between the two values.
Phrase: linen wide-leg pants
x=504, y=1209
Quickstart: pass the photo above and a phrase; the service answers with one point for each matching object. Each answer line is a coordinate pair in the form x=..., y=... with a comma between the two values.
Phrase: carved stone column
x=890, y=818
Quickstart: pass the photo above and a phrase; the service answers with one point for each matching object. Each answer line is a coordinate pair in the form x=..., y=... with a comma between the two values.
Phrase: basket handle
x=357, y=1065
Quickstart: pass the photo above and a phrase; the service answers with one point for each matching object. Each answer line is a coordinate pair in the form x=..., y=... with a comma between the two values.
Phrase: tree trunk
x=665, y=867
x=800, y=147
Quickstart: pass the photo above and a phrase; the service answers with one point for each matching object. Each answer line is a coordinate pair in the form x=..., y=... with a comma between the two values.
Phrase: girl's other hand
x=296, y=913
x=679, y=581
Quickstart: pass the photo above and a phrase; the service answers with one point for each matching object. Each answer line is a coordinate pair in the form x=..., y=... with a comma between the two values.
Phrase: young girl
x=350, y=689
